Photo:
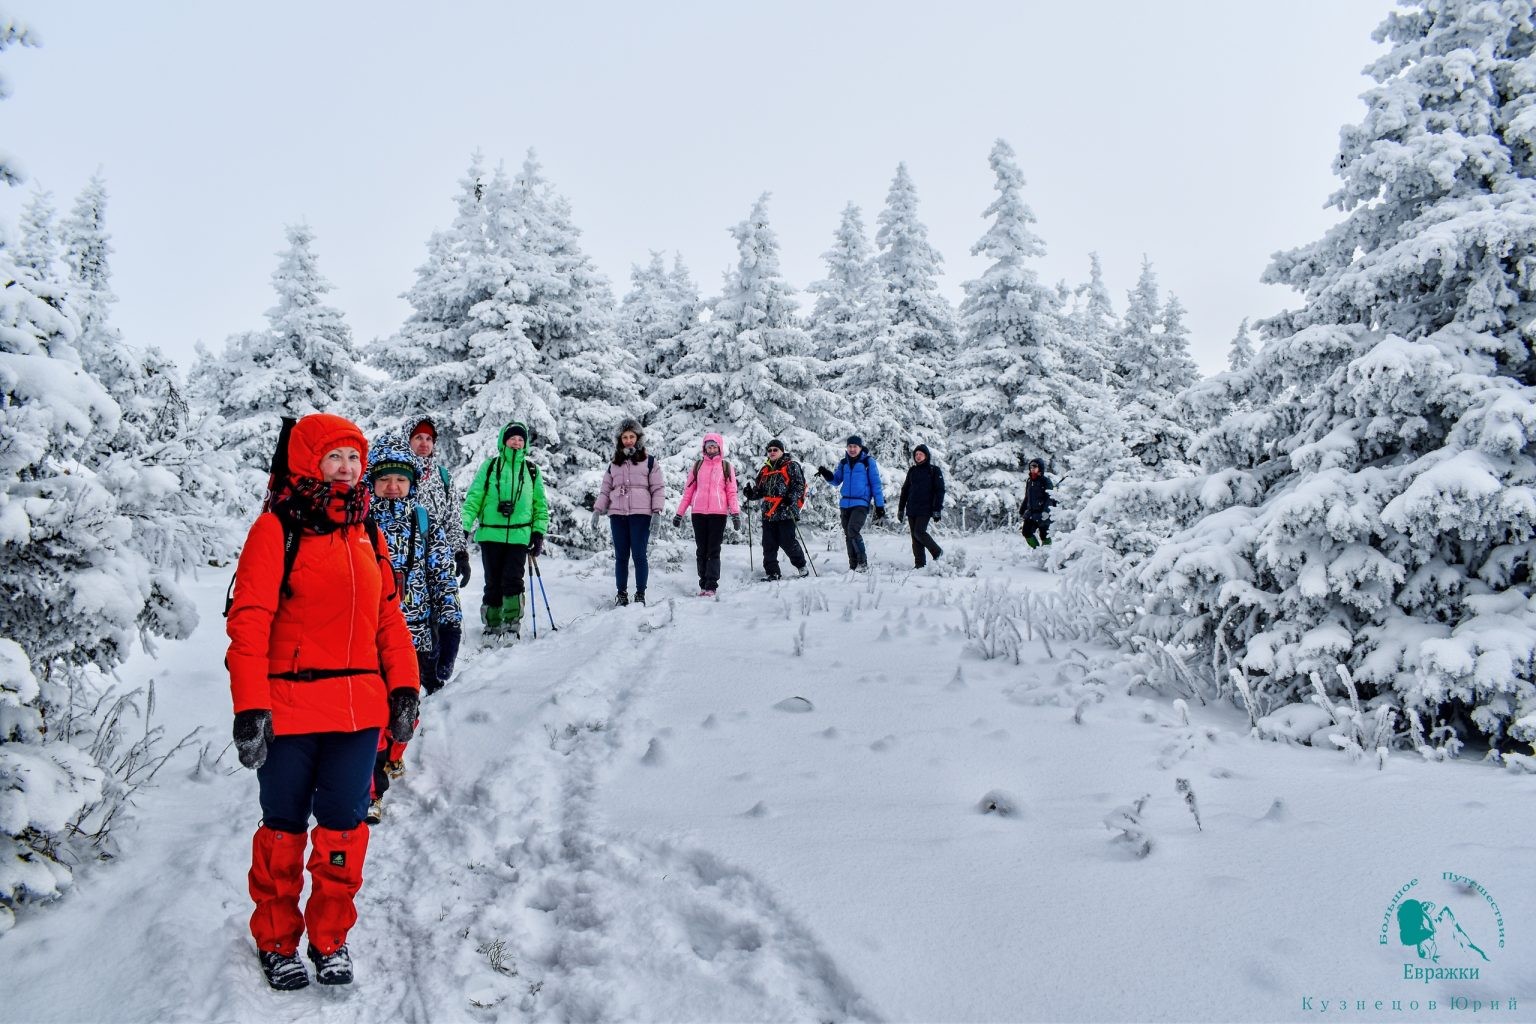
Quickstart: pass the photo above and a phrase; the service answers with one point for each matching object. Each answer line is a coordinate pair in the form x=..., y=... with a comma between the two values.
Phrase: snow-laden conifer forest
x=1267, y=695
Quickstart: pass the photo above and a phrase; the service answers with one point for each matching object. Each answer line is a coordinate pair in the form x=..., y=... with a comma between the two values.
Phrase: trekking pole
x=534, y=611
x=750, y=545
x=806, y=548
x=538, y=574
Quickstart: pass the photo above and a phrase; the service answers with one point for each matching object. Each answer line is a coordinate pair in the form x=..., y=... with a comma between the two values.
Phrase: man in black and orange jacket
x=780, y=486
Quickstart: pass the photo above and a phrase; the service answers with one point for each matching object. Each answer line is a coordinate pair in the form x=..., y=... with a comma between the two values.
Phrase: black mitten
x=461, y=563
x=404, y=708
x=253, y=731
x=824, y=473
x=879, y=511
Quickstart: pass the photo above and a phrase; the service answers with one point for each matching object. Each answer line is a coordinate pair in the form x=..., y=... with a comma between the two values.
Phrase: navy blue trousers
x=325, y=774
x=631, y=535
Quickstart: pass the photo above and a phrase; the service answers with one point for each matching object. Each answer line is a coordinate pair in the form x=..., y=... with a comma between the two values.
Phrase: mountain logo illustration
x=1419, y=925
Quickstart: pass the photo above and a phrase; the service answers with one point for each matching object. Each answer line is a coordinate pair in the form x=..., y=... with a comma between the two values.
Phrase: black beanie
x=775, y=443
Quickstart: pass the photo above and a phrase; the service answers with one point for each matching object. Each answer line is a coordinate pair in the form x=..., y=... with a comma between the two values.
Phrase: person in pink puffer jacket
x=633, y=491
x=711, y=492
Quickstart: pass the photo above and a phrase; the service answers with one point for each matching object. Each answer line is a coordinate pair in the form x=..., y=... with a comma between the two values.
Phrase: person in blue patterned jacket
x=425, y=570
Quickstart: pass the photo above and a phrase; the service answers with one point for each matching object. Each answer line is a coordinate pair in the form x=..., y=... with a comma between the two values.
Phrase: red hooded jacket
x=344, y=613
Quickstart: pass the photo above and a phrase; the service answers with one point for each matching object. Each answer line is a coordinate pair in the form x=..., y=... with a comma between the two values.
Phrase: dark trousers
x=780, y=533
x=923, y=543
x=1036, y=526
x=631, y=536
x=708, y=535
x=853, y=535
x=325, y=774
x=504, y=566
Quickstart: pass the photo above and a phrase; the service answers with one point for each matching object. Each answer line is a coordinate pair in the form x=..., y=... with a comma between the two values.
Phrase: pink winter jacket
x=710, y=492
x=632, y=489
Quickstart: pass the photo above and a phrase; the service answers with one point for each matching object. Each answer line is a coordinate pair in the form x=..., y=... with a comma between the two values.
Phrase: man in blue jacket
x=859, y=479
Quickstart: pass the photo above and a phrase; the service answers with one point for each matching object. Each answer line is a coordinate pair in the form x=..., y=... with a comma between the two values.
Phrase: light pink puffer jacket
x=632, y=489
x=710, y=492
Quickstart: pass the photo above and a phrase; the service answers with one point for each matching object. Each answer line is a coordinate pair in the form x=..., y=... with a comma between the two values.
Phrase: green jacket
x=507, y=477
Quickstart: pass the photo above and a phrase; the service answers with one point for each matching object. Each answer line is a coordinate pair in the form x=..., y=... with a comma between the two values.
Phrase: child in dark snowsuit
x=1036, y=507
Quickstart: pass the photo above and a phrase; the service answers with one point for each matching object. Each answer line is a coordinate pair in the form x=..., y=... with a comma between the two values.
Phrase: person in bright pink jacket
x=711, y=493
x=633, y=491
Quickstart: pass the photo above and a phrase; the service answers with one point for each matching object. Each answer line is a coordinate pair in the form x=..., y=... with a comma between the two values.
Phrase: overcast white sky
x=1198, y=132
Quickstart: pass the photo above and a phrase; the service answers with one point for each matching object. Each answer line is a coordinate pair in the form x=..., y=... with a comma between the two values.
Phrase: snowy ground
x=630, y=821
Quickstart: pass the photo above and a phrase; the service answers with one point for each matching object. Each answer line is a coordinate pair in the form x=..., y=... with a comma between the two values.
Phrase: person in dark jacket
x=922, y=500
x=1036, y=507
x=780, y=486
x=858, y=476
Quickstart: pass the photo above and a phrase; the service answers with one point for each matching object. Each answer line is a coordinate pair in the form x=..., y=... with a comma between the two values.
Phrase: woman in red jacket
x=320, y=659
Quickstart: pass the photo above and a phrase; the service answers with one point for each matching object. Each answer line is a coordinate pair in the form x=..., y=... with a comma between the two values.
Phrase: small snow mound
x=757, y=810
x=999, y=802
x=830, y=732
x=654, y=755
x=710, y=722
x=1294, y=723
x=883, y=743
x=796, y=705
x=1276, y=811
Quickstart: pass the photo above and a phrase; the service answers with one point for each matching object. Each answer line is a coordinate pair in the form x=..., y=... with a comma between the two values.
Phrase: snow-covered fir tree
x=882, y=389
x=1375, y=511
x=747, y=370
x=658, y=308
x=1152, y=365
x=1240, y=351
x=78, y=588
x=303, y=362
x=1007, y=399
x=1092, y=326
x=922, y=319
x=37, y=251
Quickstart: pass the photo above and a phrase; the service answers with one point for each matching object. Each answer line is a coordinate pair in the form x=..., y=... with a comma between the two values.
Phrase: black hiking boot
x=639, y=597
x=772, y=577
x=285, y=971
x=622, y=599
x=331, y=968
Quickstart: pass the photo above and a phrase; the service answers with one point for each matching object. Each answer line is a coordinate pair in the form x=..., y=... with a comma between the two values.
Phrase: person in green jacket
x=507, y=499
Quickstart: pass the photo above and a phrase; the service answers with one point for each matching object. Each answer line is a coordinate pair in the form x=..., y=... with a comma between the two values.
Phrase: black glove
x=901, y=517
x=253, y=731
x=749, y=491
x=824, y=473
x=736, y=521
x=879, y=511
x=461, y=563
x=404, y=709
x=536, y=549
x=448, y=638
x=677, y=522
x=589, y=501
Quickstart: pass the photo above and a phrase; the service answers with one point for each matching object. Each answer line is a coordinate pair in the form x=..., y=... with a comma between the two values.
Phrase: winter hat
x=633, y=426
x=317, y=435
x=1036, y=462
x=855, y=439
x=392, y=454
x=424, y=427
x=717, y=438
x=514, y=430
x=775, y=443
x=927, y=455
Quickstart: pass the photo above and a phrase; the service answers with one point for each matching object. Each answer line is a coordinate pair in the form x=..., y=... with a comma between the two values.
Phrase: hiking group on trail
x=346, y=607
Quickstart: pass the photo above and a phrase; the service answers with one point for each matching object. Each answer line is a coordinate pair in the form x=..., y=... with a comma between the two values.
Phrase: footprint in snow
x=757, y=810
x=710, y=722
x=654, y=755
x=883, y=743
x=830, y=733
